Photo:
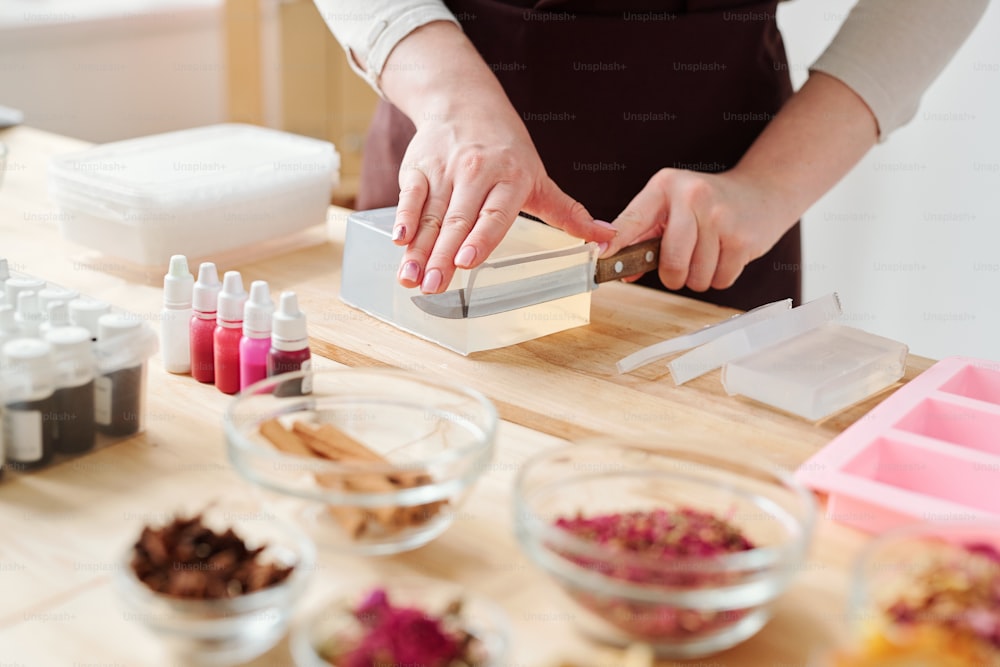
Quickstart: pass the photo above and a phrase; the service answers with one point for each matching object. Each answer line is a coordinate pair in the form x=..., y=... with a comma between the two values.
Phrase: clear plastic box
x=119, y=368
x=818, y=372
x=202, y=192
x=371, y=262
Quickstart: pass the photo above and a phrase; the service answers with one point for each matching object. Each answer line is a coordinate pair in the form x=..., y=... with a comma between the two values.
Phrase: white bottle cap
x=178, y=284
x=52, y=294
x=289, y=325
x=15, y=286
x=85, y=313
x=232, y=297
x=73, y=353
x=58, y=314
x=205, y=295
x=258, y=311
x=116, y=325
x=30, y=361
x=8, y=323
x=29, y=315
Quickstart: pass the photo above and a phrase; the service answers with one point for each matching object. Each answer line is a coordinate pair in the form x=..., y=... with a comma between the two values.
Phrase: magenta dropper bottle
x=289, y=346
x=256, y=340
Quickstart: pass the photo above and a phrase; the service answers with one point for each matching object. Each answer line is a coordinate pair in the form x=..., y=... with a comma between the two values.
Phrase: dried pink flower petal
x=392, y=635
x=661, y=536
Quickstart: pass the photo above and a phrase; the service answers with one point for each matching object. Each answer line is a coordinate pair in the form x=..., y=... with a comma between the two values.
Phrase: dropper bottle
x=256, y=340
x=228, y=330
x=289, y=346
x=175, y=320
x=204, y=302
x=29, y=313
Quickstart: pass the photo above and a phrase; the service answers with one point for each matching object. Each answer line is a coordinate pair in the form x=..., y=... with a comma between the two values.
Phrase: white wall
x=911, y=238
x=112, y=69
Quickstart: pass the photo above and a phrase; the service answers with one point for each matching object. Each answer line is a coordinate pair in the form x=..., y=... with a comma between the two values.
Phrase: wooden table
x=61, y=528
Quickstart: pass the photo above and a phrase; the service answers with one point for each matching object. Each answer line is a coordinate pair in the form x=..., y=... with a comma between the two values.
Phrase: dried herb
x=187, y=559
x=660, y=537
x=386, y=635
x=945, y=611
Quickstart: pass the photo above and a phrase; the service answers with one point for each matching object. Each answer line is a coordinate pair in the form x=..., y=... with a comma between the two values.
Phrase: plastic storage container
x=198, y=192
x=110, y=380
x=371, y=261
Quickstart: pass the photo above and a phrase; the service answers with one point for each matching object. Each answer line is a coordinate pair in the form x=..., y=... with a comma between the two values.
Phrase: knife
x=472, y=301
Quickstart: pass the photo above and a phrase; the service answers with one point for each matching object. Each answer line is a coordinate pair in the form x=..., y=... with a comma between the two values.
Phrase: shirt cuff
x=368, y=49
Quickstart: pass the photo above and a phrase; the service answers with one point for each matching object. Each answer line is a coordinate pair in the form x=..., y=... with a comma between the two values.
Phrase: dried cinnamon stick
x=284, y=440
x=329, y=442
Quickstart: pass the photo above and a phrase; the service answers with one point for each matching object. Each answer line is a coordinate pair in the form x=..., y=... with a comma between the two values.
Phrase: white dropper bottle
x=175, y=320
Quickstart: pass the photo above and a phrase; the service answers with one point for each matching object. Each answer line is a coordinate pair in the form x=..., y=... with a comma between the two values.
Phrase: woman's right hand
x=470, y=168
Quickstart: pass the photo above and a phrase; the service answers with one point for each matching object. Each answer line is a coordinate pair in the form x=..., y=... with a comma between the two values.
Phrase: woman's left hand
x=712, y=226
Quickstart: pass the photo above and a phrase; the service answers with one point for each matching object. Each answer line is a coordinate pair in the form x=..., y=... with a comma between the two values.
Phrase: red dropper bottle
x=289, y=346
x=228, y=331
x=204, y=301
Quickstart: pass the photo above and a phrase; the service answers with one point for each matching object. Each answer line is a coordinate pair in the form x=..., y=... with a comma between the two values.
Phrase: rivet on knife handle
x=629, y=261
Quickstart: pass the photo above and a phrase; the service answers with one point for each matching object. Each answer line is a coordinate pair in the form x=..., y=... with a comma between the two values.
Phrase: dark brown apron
x=613, y=93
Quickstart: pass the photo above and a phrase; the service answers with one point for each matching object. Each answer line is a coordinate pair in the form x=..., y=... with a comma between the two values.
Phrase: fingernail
x=603, y=223
x=466, y=256
x=432, y=281
x=410, y=272
x=602, y=248
x=398, y=232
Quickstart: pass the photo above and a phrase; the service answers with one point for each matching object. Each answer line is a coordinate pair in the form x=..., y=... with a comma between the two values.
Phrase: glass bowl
x=683, y=607
x=481, y=618
x=929, y=593
x=231, y=630
x=430, y=442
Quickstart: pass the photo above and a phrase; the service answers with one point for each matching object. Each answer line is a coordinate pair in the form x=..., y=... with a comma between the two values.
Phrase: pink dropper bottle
x=256, y=340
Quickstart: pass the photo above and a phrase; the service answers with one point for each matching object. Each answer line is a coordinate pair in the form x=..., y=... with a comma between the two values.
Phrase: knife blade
x=472, y=301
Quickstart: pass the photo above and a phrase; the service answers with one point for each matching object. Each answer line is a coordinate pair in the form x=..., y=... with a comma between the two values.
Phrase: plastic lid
x=205, y=294
x=232, y=297
x=204, y=163
x=86, y=312
x=29, y=313
x=258, y=311
x=15, y=286
x=123, y=341
x=51, y=294
x=116, y=325
x=289, y=325
x=31, y=361
x=73, y=353
x=178, y=284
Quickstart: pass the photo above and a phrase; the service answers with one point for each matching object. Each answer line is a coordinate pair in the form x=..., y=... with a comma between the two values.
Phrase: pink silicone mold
x=929, y=452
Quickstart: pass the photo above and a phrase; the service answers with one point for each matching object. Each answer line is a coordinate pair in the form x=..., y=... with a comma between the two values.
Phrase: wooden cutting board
x=566, y=384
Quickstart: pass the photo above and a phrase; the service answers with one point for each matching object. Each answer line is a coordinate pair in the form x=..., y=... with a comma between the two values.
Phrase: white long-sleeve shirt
x=887, y=51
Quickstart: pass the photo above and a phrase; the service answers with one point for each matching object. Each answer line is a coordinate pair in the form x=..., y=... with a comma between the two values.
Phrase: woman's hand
x=462, y=183
x=470, y=168
x=712, y=226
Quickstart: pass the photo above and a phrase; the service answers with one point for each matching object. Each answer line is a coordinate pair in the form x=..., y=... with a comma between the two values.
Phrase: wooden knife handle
x=629, y=261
